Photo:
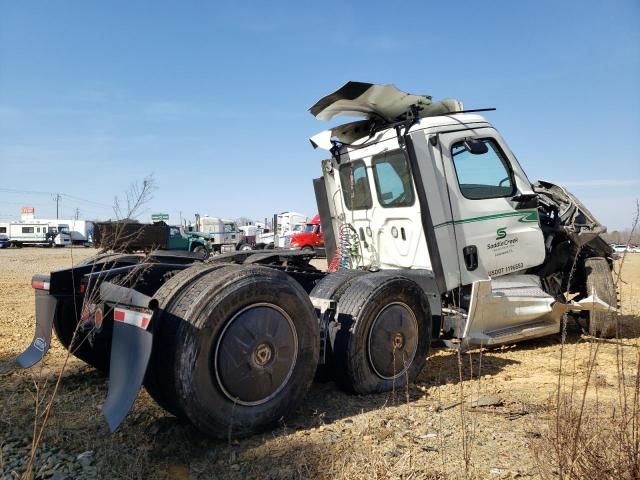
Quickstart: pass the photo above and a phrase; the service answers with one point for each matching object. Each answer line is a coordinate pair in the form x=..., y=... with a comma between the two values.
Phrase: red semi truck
x=311, y=239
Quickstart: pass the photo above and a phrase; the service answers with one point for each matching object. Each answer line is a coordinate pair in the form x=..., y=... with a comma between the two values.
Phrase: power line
x=87, y=201
x=56, y=196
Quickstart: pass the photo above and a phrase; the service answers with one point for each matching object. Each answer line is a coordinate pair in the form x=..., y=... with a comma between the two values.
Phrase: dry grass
x=591, y=435
x=428, y=431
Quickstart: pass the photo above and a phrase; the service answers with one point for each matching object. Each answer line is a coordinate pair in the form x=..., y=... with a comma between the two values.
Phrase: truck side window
x=27, y=229
x=393, y=179
x=355, y=186
x=485, y=175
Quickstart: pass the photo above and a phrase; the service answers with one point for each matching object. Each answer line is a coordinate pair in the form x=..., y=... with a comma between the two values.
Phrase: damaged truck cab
x=432, y=231
x=436, y=189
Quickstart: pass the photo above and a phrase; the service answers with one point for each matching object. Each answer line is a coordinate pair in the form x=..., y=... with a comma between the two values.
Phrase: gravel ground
x=499, y=402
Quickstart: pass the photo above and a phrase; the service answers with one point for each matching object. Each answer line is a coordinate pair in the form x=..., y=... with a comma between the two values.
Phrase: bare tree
x=136, y=198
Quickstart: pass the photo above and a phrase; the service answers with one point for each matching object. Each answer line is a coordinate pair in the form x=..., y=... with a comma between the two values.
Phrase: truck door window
x=355, y=186
x=485, y=175
x=393, y=179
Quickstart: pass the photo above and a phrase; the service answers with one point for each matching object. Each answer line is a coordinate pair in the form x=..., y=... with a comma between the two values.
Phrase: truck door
x=379, y=200
x=494, y=234
x=177, y=241
x=230, y=233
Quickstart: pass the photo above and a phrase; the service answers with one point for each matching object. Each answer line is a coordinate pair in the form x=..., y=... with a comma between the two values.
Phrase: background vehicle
x=434, y=230
x=623, y=248
x=4, y=241
x=37, y=232
x=132, y=237
x=222, y=235
x=285, y=225
x=80, y=231
x=310, y=239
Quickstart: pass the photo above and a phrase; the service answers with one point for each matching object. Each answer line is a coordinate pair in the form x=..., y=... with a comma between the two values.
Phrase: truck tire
x=167, y=317
x=246, y=352
x=244, y=247
x=334, y=284
x=331, y=287
x=94, y=348
x=600, y=280
x=384, y=335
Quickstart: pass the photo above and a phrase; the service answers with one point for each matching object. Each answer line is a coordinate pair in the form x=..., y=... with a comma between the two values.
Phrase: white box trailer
x=81, y=231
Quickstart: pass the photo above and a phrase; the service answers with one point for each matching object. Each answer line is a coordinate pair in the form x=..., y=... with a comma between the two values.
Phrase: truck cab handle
x=470, y=254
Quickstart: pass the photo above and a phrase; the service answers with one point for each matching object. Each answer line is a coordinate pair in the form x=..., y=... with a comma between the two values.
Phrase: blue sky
x=212, y=97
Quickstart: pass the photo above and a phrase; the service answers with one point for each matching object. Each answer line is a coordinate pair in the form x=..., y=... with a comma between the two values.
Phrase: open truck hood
x=380, y=105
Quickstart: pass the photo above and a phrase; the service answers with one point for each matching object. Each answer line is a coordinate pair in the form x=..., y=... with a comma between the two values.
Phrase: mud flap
x=45, y=310
x=130, y=353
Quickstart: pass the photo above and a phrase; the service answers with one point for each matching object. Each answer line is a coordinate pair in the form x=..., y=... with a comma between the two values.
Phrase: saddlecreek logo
x=502, y=244
x=501, y=233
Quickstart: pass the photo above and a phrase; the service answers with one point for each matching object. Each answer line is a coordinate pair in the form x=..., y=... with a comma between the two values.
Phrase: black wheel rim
x=393, y=341
x=256, y=354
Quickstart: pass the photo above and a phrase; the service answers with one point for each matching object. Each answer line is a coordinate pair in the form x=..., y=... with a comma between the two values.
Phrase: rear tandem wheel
x=244, y=350
x=385, y=333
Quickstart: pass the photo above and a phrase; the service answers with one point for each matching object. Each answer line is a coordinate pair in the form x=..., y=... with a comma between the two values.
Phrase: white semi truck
x=435, y=233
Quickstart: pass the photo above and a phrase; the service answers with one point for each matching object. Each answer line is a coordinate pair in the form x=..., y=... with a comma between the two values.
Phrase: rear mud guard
x=130, y=354
x=45, y=311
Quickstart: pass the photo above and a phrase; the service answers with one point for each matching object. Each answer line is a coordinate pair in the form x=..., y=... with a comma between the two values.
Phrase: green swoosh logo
x=526, y=216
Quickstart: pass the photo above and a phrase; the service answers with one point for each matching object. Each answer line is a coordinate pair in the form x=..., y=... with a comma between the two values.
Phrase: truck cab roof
x=380, y=105
x=352, y=135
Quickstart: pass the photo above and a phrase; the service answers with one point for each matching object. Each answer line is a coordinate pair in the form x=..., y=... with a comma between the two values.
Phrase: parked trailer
x=37, y=232
x=435, y=232
x=81, y=231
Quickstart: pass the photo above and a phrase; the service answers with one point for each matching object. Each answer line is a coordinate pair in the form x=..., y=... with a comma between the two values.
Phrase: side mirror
x=476, y=147
x=525, y=201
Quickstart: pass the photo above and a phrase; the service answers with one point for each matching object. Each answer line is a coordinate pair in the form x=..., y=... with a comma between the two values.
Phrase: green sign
x=159, y=217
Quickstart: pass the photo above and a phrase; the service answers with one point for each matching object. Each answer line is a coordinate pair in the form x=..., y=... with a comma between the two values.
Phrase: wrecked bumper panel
x=513, y=308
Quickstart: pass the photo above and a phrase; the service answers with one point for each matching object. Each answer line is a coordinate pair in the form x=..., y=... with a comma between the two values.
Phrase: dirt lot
x=417, y=433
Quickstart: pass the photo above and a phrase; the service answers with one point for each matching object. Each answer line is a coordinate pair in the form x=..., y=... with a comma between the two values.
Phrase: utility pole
x=57, y=205
x=77, y=213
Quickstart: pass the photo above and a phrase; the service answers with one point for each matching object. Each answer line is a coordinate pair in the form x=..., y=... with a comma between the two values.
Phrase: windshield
x=310, y=228
x=63, y=228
